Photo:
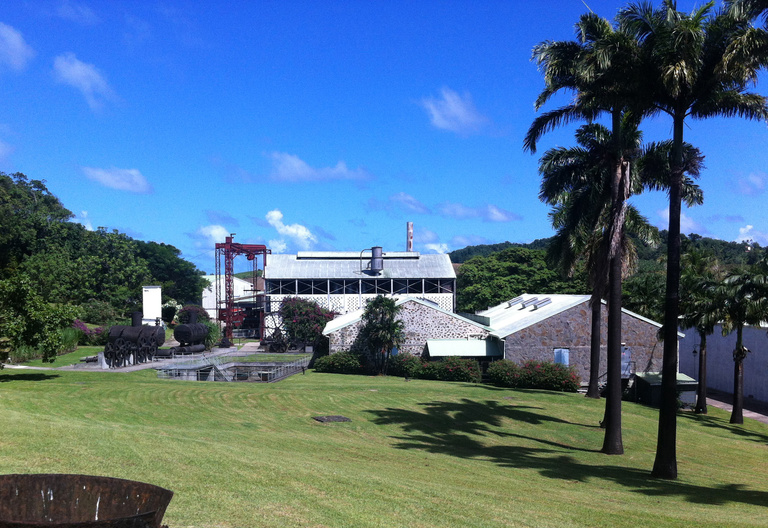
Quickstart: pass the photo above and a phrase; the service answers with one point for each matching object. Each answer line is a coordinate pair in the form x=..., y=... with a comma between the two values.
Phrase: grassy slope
x=416, y=454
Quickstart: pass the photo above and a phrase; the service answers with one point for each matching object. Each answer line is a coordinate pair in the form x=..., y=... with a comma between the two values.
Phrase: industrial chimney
x=409, y=239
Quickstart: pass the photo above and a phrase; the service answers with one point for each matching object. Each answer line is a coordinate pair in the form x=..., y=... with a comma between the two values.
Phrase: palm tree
x=700, y=309
x=687, y=74
x=601, y=69
x=577, y=183
x=381, y=331
x=745, y=302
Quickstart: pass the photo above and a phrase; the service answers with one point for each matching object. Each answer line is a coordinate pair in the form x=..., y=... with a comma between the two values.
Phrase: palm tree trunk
x=593, y=391
x=612, y=442
x=665, y=464
x=737, y=415
x=701, y=392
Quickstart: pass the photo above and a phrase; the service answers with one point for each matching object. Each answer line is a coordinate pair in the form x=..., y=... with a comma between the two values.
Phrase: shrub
x=183, y=314
x=451, y=369
x=98, y=312
x=404, y=364
x=90, y=336
x=70, y=337
x=213, y=336
x=534, y=375
x=339, y=363
x=304, y=321
x=168, y=313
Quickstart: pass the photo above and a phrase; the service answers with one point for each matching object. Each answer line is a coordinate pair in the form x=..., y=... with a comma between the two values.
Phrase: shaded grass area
x=421, y=453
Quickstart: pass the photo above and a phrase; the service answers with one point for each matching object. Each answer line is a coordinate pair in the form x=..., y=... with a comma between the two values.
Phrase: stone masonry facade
x=571, y=329
x=421, y=323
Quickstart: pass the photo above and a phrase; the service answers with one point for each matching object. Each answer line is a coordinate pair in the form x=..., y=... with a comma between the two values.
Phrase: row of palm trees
x=713, y=297
x=650, y=61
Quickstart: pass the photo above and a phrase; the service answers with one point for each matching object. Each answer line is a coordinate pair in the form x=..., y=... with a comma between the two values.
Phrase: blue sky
x=314, y=125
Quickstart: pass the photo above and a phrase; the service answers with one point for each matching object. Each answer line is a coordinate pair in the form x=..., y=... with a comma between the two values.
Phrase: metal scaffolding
x=229, y=250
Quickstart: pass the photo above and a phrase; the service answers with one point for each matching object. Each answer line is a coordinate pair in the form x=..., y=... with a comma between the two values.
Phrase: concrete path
x=752, y=409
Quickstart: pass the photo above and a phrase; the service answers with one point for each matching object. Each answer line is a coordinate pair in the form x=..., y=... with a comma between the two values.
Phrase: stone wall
x=421, y=322
x=571, y=329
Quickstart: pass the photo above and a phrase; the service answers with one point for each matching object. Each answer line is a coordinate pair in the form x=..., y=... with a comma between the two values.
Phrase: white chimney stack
x=409, y=241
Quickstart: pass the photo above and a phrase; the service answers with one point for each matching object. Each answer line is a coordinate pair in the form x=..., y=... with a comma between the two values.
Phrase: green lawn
x=417, y=454
x=67, y=359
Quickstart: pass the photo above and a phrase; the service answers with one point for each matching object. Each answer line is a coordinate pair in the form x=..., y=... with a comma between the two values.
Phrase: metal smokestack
x=409, y=240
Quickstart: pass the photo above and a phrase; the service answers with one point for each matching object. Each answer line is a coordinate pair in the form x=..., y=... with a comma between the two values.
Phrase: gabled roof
x=527, y=310
x=353, y=317
x=350, y=265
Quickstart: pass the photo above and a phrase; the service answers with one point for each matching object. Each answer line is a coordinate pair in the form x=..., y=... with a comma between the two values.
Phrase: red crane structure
x=229, y=250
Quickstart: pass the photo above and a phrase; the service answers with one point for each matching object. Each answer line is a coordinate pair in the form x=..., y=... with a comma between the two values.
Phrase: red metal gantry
x=231, y=249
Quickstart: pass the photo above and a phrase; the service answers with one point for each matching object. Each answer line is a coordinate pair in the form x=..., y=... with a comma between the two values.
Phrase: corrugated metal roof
x=522, y=312
x=352, y=317
x=346, y=265
x=463, y=347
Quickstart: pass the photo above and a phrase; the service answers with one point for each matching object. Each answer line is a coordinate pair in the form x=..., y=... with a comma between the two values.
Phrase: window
x=561, y=356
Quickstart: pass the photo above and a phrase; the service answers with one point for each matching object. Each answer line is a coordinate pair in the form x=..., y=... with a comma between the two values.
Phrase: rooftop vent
x=545, y=301
x=514, y=301
x=529, y=302
x=377, y=260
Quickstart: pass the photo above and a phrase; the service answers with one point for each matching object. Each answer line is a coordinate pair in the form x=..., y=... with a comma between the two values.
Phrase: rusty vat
x=80, y=501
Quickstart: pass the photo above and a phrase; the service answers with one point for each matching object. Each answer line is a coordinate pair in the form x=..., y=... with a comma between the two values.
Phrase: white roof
x=347, y=265
x=352, y=317
x=528, y=309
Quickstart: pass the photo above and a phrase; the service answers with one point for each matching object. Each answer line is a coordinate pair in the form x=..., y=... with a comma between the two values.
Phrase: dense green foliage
x=304, y=320
x=339, y=363
x=381, y=331
x=533, y=375
x=450, y=369
x=27, y=321
x=460, y=256
x=487, y=281
x=71, y=265
x=53, y=270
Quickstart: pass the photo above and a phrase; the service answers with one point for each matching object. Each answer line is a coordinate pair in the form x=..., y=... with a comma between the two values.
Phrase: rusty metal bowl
x=80, y=501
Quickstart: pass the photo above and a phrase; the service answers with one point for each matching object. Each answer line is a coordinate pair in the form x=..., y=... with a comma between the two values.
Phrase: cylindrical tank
x=377, y=259
x=190, y=333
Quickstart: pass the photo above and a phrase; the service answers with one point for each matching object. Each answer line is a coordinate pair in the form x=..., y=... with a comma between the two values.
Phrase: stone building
x=558, y=328
x=530, y=327
x=429, y=331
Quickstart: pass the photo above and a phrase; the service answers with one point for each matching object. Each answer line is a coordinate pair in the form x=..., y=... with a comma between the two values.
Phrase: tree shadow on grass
x=27, y=377
x=457, y=428
x=707, y=420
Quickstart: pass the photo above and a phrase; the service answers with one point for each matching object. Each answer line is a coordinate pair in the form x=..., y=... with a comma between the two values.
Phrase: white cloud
x=454, y=113
x=14, y=51
x=299, y=234
x=409, y=203
x=424, y=236
x=121, y=179
x=687, y=224
x=459, y=241
x=83, y=219
x=210, y=235
x=278, y=246
x=77, y=12
x=752, y=185
x=69, y=70
x=291, y=168
x=437, y=248
x=488, y=213
x=748, y=233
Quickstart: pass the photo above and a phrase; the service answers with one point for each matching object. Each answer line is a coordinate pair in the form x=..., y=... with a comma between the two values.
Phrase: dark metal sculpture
x=191, y=337
x=80, y=501
x=130, y=345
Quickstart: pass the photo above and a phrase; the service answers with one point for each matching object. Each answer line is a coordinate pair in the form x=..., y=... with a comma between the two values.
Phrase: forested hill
x=460, y=256
x=493, y=273
x=67, y=264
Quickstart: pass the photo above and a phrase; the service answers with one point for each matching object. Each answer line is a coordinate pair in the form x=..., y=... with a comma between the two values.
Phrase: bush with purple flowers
x=90, y=336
